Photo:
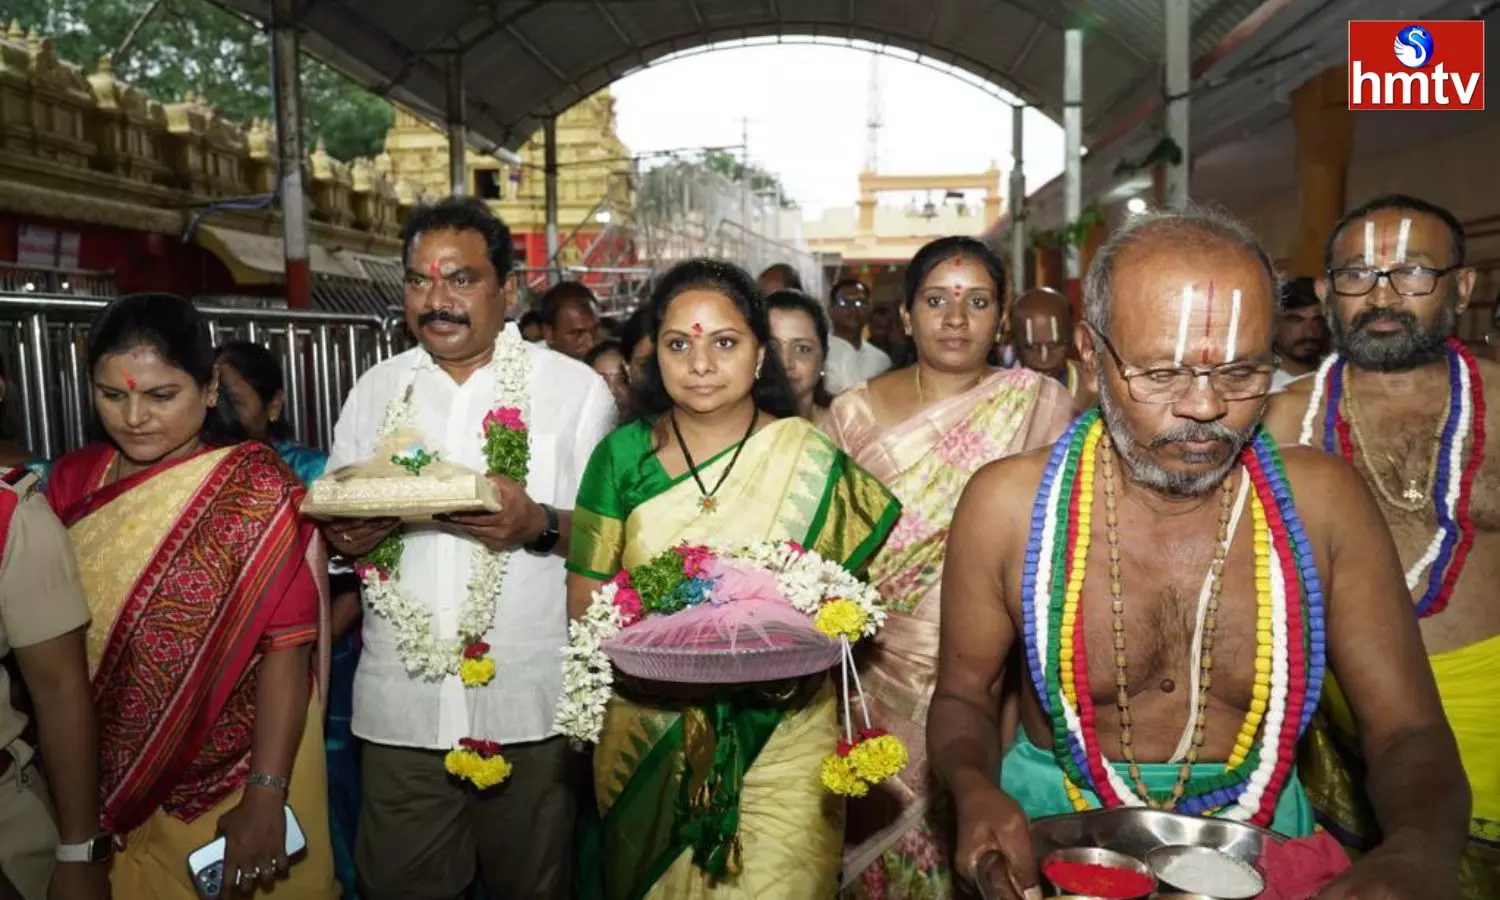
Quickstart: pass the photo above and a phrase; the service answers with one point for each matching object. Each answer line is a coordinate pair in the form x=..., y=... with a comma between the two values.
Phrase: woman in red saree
x=206, y=591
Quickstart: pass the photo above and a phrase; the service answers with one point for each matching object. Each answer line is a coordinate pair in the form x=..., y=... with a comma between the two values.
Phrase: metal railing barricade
x=43, y=348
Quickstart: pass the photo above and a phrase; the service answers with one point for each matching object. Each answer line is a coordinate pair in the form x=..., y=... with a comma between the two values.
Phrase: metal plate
x=1136, y=832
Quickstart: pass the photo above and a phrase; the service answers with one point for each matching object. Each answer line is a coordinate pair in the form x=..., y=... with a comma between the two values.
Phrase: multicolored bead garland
x=1450, y=544
x=1290, y=635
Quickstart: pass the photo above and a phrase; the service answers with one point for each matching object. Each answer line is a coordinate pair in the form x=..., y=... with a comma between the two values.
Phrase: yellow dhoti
x=1333, y=772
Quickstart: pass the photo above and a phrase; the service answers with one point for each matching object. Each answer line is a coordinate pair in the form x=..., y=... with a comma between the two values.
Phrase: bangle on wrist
x=265, y=780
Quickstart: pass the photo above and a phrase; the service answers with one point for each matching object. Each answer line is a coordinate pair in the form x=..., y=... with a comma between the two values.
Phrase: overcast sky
x=807, y=107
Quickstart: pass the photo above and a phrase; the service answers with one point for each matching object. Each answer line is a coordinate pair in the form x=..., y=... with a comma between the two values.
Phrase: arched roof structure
x=527, y=59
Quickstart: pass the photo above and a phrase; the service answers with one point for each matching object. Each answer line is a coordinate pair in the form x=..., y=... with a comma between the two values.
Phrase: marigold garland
x=506, y=446
x=479, y=762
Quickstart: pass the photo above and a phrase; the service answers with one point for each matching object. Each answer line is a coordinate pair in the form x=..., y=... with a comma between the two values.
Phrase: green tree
x=196, y=46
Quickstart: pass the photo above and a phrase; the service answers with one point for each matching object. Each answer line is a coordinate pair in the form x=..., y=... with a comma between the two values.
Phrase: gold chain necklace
x=1117, y=606
x=1416, y=496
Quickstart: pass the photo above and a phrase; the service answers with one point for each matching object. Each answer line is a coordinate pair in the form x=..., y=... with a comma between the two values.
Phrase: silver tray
x=1135, y=832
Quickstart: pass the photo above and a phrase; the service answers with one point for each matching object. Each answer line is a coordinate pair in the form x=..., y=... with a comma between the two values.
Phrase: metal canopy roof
x=526, y=59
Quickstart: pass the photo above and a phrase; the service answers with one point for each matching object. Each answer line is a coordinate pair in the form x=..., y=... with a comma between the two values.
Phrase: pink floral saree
x=896, y=843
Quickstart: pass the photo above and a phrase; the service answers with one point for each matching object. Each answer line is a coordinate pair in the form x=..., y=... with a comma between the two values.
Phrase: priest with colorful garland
x=1178, y=589
x=1406, y=404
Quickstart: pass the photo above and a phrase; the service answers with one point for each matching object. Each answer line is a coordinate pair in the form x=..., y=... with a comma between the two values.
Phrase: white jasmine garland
x=807, y=582
x=425, y=656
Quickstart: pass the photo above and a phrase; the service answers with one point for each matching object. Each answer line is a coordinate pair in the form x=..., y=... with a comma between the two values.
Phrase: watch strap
x=95, y=849
x=548, y=538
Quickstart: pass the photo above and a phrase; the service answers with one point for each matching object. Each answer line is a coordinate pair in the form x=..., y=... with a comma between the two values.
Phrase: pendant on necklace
x=707, y=504
x=1413, y=494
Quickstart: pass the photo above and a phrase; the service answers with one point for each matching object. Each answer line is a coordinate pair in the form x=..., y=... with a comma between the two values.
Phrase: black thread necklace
x=706, y=502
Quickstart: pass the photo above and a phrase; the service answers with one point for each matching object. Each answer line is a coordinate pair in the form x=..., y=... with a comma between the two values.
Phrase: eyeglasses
x=1246, y=380
x=844, y=302
x=1408, y=281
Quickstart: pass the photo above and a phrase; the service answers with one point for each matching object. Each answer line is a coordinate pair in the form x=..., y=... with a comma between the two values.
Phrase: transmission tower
x=873, y=120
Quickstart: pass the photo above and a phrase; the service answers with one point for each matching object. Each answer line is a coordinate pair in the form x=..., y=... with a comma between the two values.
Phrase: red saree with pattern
x=194, y=569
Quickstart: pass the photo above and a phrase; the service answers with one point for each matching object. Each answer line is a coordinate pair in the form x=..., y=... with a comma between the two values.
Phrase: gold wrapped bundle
x=406, y=484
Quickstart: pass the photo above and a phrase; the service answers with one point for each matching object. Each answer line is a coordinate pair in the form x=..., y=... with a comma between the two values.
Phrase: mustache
x=1195, y=432
x=1402, y=317
x=442, y=315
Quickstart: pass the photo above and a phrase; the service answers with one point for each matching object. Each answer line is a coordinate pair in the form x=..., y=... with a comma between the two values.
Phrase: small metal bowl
x=1096, y=856
x=1162, y=857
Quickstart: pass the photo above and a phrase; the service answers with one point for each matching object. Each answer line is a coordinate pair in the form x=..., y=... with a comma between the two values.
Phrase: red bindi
x=433, y=270
x=1208, y=321
x=697, y=329
x=130, y=382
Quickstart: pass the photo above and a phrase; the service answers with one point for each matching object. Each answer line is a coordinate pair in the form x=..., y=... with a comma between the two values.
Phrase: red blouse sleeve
x=295, y=619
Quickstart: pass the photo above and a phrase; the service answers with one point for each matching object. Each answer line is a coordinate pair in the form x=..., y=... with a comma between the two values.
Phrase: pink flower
x=967, y=448
x=796, y=548
x=695, y=559
x=504, y=417
x=628, y=602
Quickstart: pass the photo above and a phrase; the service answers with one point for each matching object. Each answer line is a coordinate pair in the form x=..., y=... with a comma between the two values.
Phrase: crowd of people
x=1208, y=544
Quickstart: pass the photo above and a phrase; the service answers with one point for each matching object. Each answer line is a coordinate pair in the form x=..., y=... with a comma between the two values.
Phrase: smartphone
x=206, y=864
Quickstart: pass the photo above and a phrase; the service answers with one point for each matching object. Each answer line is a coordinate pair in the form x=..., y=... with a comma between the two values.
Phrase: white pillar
x=286, y=73
x=1179, y=82
x=1073, y=139
x=458, y=132
x=549, y=171
x=1017, y=204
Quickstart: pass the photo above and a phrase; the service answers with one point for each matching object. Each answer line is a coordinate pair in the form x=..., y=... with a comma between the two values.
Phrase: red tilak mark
x=697, y=329
x=130, y=382
x=958, y=289
x=433, y=270
x=1208, y=321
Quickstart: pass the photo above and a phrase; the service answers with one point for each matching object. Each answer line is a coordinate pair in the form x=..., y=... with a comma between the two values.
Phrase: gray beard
x=1141, y=469
x=1401, y=351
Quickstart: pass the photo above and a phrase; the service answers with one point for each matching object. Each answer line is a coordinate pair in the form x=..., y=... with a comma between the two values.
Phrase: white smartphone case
x=206, y=864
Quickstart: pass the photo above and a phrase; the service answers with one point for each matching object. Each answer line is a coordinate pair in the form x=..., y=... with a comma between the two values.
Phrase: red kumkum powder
x=1098, y=881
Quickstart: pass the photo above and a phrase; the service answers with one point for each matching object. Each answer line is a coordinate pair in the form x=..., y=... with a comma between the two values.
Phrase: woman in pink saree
x=924, y=431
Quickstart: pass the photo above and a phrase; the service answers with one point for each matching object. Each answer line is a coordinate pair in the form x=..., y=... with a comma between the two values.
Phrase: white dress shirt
x=571, y=411
x=847, y=367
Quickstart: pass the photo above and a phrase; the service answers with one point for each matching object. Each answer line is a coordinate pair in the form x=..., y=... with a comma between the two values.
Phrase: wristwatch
x=93, y=850
x=548, y=538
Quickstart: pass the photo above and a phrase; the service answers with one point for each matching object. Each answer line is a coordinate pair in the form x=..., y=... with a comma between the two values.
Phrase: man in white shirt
x=1301, y=333
x=421, y=828
x=851, y=358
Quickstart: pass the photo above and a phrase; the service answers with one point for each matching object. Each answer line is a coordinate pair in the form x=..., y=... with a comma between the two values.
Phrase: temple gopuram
x=594, y=185
x=105, y=190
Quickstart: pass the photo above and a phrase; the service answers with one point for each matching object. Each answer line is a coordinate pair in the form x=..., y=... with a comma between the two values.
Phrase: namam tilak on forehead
x=1209, y=303
x=1378, y=242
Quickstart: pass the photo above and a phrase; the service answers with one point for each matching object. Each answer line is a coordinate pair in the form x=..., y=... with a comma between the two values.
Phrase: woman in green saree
x=717, y=455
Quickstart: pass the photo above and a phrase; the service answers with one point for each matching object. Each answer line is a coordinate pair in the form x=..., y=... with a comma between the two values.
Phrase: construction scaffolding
x=682, y=210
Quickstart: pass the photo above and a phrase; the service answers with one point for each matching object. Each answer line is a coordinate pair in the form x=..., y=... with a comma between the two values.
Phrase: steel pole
x=1017, y=204
x=285, y=71
x=1073, y=141
x=1179, y=83
x=458, y=132
x=549, y=166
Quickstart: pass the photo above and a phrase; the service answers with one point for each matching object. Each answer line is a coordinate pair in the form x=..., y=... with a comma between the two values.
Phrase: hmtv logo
x=1421, y=65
